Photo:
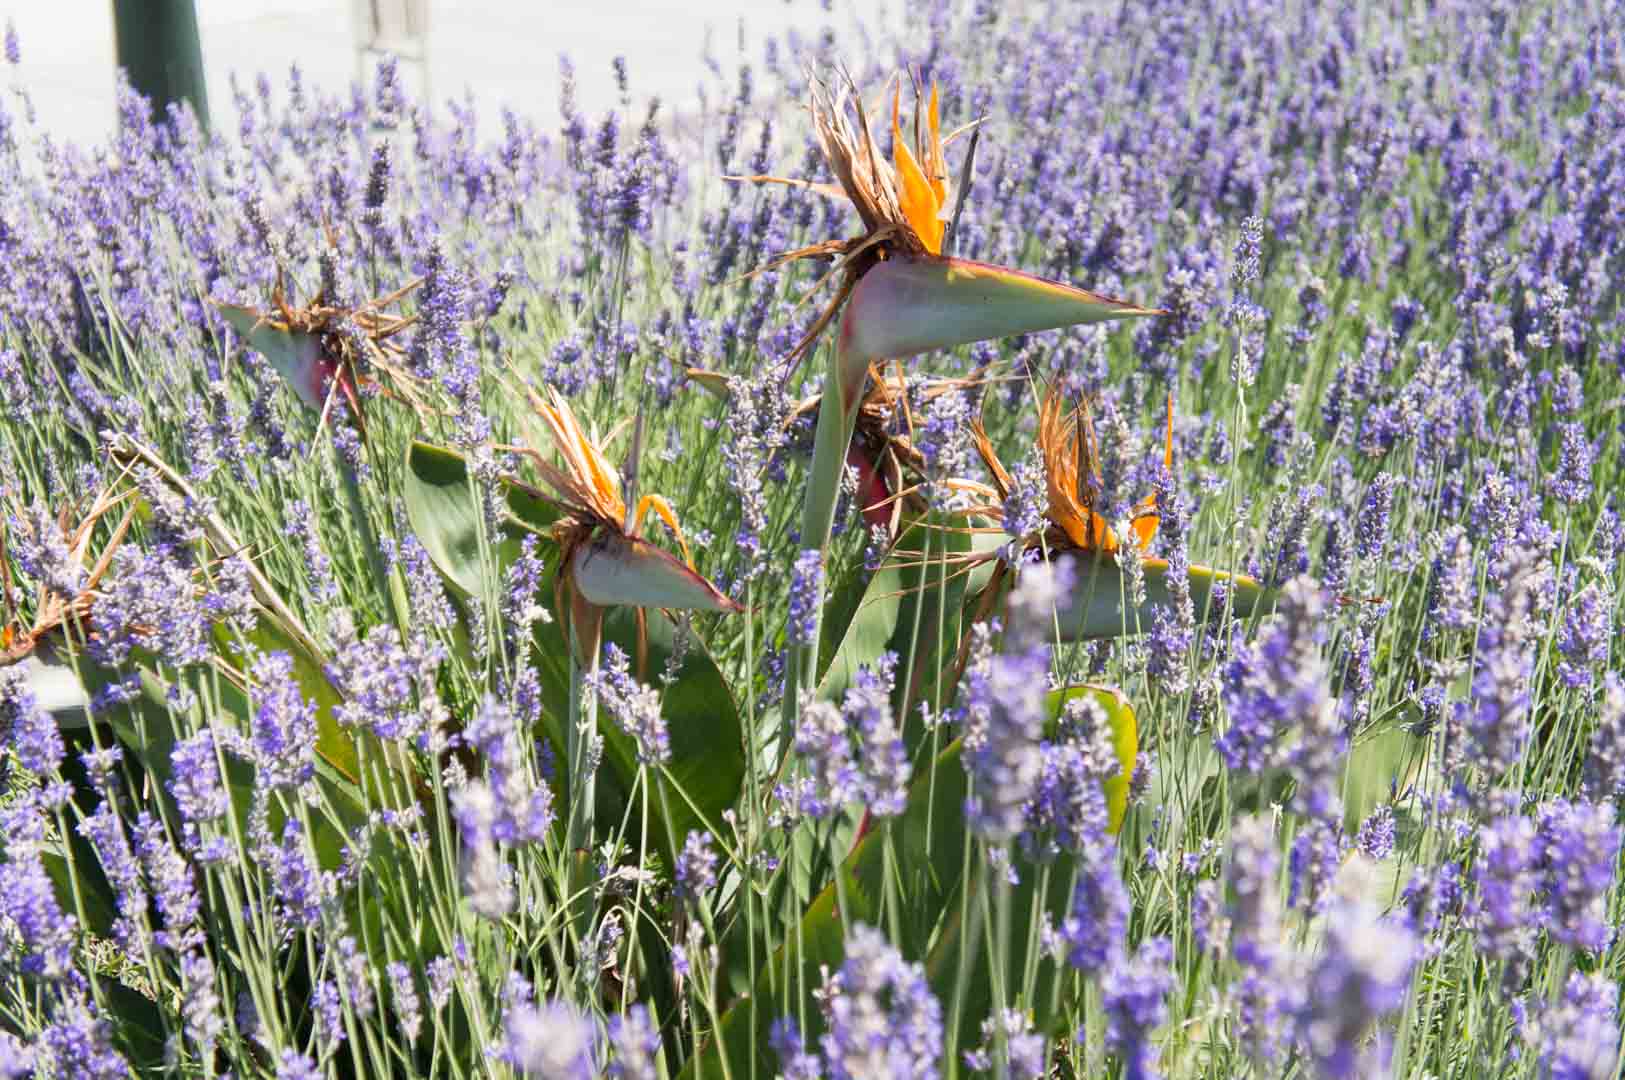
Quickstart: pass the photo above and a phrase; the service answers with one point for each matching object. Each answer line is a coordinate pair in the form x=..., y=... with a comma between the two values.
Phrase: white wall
x=505, y=50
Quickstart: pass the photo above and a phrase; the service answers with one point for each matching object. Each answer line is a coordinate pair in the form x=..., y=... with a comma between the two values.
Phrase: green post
x=158, y=46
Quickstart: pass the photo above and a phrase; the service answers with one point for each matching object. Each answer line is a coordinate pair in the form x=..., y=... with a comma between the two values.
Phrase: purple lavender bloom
x=634, y=1042
x=757, y=410
x=1096, y=924
x=635, y=707
x=302, y=528
x=14, y=52
x=29, y=730
x=1362, y=973
x=1605, y=759
x=1136, y=992
x=1024, y=1047
x=27, y=897
x=881, y=1018
x=1584, y=637
x=282, y=743
x=378, y=176
x=520, y=609
x=1313, y=863
x=806, y=596
x=423, y=584
x=1375, y=840
x=301, y=888
x=408, y=1008
x=943, y=440
x=105, y=830
x=327, y=1007
x=195, y=782
x=1273, y=687
x=1068, y=812
x=1004, y=706
x=555, y=1041
x=1371, y=526
x=80, y=1043
x=1572, y=482
x=1498, y=721
x=1505, y=874
x=1578, y=845
x=200, y=1001
x=384, y=686
x=1209, y=927
x=523, y=810
x=696, y=867
x=296, y=1066
x=487, y=879
x=1024, y=506
x=1173, y=626
x=855, y=752
x=150, y=604
x=1452, y=588
x=795, y=1063
x=171, y=881
x=1256, y=933
x=35, y=540
x=1580, y=1035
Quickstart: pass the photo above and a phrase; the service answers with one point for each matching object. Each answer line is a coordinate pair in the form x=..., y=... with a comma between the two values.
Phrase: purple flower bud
x=1578, y=845
x=1362, y=973
x=555, y=1041
x=29, y=730
x=806, y=596
x=696, y=867
x=1136, y=990
x=1096, y=923
x=881, y=1018
x=635, y=707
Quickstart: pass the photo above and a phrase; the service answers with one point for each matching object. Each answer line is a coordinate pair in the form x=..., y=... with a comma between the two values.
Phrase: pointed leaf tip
x=612, y=570
x=912, y=304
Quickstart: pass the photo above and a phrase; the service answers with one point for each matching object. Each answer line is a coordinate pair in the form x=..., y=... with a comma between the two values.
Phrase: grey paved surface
x=505, y=51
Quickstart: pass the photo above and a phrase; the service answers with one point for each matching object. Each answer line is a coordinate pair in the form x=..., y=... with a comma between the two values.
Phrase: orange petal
x=918, y=202
x=936, y=165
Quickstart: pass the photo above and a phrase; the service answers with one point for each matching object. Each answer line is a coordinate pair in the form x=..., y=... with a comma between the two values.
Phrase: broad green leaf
x=1125, y=739
x=914, y=606
x=707, y=744
x=926, y=847
x=442, y=510
x=1381, y=761
x=1099, y=607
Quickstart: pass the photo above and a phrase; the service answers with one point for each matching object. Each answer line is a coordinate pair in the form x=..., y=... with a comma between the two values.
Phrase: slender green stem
x=830, y=442
x=579, y=731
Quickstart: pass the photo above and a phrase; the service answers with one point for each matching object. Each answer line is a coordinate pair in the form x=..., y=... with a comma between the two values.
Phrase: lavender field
x=1070, y=541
